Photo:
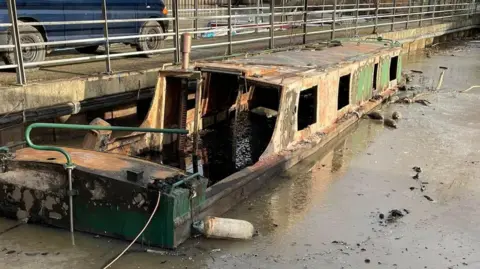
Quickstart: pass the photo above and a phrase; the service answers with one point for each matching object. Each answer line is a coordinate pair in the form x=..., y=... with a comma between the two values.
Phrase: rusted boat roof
x=275, y=67
x=104, y=164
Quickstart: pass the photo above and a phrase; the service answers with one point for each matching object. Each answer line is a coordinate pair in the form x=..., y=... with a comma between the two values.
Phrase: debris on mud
x=428, y=198
x=367, y=260
x=416, y=176
x=337, y=242
x=396, y=115
x=417, y=169
x=423, y=102
x=375, y=115
x=396, y=214
x=393, y=99
x=390, y=123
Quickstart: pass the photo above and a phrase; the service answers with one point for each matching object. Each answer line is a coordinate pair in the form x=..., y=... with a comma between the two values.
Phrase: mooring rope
x=138, y=235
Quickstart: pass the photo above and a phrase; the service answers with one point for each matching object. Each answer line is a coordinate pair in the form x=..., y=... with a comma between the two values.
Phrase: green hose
x=87, y=127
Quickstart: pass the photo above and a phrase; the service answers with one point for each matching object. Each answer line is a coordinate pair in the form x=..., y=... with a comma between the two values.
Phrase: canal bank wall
x=71, y=95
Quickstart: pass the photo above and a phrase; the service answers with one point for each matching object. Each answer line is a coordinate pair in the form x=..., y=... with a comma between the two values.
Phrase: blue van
x=82, y=10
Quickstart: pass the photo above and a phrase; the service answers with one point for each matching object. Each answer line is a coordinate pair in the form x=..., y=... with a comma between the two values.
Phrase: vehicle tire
x=150, y=43
x=28, y=35
x=88, y=49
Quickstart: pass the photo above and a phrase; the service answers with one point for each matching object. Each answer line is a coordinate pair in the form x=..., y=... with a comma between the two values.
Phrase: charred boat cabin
x=220, y=131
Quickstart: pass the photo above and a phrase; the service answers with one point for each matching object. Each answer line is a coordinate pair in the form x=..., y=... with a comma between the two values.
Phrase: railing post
x=375, y=27
x=176, y=42
x=195, y=22
x=393, y=15
x=257, y=16
x=421, y=14
x=272, y=22
x=433, y=11
x=357, y=6
x=408, y=13
x=323, y=9
x=230, y=29
x=105, y=35
x=453, y=9
x=334, y=19
x=305, y=19
x=17, y=51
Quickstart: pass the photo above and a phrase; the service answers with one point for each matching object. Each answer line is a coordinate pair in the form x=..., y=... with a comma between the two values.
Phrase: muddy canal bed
x=327, y=211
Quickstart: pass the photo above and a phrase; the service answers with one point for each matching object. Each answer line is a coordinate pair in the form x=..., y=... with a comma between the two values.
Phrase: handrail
x=88, y=127
x=183, y=180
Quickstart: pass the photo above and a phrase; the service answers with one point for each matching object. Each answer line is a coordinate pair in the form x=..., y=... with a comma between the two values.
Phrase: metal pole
x=198, y=98
x=408, y=13
x=70, y=202
x=394, y=13
x=176, y=44
x=105, y=35
x=470, y=11
x=323, y=9
x=421, y=14
x=230, y=29
x=272, y=21
x=375, y=27
x=454, y=8
x=334, y=19
x=186, y=48
x=357, y=6
x=256, y=16
x=17, y=51
x=433, y=12
x=305, y=19
x=195, y=22
x=283, y=11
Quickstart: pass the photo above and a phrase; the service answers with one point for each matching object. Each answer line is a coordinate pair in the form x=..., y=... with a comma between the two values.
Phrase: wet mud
x=326, y=211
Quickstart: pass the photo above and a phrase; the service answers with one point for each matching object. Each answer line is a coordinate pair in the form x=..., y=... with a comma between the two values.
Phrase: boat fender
x=223, y=228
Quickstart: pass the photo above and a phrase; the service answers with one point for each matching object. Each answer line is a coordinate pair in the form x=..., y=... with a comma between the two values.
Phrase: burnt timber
x=313, y=95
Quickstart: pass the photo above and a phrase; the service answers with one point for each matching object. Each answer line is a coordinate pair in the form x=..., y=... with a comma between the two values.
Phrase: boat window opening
x=374, y=79
x=343, y=92
x=237, y=141
x=307, y=108
x=192, y=89
x=264, y=98
x=393, y=68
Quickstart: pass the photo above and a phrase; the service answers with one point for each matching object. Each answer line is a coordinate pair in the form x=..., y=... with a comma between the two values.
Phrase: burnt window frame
x=315, y=108
x=349, y=75
x=375, y=76
x=393, y=60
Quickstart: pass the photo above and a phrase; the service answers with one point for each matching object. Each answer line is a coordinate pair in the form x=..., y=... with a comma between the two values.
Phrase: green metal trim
x=183, y=180
x=4, y=149
x=88, y=127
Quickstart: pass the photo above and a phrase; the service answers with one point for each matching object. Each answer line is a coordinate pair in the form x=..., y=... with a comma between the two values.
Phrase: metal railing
x=229, y=26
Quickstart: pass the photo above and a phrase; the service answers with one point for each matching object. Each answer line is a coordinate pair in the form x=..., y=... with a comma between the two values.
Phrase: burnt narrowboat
x=247, y=119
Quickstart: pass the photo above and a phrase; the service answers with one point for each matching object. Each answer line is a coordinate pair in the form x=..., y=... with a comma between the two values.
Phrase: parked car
x=82, y=10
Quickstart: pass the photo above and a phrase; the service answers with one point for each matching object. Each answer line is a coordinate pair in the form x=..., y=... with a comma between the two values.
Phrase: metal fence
x=231, y=26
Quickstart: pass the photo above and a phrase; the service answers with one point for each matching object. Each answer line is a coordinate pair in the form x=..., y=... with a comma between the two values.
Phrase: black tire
x=28, y=35
x=88, y=49
x=150, y=43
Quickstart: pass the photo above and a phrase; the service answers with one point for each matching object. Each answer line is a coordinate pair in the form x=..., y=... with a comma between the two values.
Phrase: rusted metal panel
x=384, y=72
x=109, y=165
